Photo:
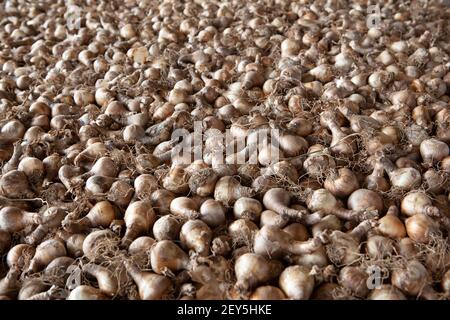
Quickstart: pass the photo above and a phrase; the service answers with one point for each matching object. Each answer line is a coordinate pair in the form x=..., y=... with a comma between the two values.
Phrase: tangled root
x=124, y=157
x=108, y=255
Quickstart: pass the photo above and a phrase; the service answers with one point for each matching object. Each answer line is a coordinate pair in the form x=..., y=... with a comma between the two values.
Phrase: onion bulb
x=297, y=282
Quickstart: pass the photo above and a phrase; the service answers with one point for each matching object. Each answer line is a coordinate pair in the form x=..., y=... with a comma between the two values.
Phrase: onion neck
x=346, y=112
x=393, y=211
x=14, y=160
x=337, y=133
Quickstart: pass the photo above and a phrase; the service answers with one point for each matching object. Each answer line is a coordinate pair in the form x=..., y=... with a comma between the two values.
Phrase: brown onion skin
x=59, y=266
x=120, y=193
x=379, y=247
x=269, y=217
x=140, y=250
x=247, y=208
x=101, y=214
x=184, y=207
x=107, y=280
x=407, y=248
x=278, y=200
x=329, y=222
x=74, y=245
x=297, y=231
x=418, y=203
x=267, y=293
x=433, y=150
